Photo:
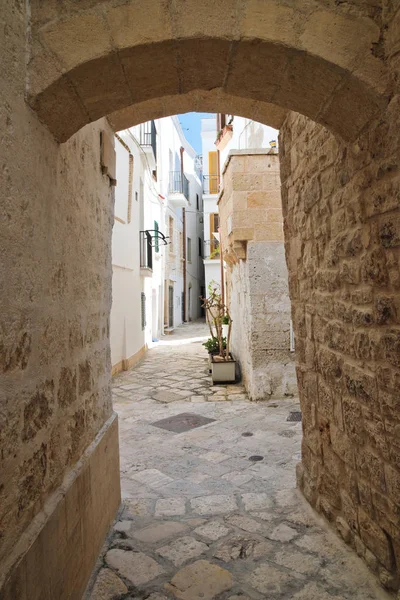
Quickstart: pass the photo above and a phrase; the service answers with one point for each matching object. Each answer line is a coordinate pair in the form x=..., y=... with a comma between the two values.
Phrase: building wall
x=59, y=471
x=341, y=211
x=212, y=267
x=256, y=274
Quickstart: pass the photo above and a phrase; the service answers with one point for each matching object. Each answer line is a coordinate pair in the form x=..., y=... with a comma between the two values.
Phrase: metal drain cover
x=295, y=416
x=182, y=422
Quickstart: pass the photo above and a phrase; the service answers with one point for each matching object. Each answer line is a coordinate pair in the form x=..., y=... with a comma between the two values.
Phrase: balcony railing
x=178, y=184
x=211, y=249
x=210, y=184
x=148, y=136
x=146, y=250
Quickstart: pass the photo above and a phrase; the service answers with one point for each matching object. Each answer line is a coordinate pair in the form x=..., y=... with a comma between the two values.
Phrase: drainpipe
x=222, y=266
x=182, y=150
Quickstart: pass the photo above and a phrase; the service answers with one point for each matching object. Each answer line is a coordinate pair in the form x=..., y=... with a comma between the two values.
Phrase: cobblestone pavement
x=202, y=518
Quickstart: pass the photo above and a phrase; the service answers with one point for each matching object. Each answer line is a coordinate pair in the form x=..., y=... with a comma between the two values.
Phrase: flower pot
x=223, y=371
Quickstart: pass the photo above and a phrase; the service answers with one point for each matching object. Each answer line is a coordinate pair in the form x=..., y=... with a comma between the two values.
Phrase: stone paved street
x=202, y=518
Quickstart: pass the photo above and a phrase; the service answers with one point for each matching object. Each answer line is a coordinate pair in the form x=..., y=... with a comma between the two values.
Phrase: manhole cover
x=247, y=434
x=256, y=458
x=182, y=422
x=295, y=415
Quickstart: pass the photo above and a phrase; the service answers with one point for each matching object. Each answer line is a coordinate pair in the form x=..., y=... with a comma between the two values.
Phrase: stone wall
x=56, y=219
x=342, y=230
x=257, y=283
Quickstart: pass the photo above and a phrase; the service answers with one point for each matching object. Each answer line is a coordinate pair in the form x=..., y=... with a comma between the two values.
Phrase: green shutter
x=156, y=245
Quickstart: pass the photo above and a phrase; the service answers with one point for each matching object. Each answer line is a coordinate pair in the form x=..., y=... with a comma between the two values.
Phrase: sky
x=191, y=125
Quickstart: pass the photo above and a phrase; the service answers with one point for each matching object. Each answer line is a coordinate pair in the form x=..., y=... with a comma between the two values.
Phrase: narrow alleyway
x=210, y=508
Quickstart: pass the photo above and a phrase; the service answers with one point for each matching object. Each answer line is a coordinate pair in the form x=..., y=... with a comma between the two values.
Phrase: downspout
x=182, y=150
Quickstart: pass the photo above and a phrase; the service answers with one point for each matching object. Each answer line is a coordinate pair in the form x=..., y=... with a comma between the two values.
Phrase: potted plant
x=223, y=366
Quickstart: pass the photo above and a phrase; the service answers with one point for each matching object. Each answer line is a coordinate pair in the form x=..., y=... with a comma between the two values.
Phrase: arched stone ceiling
x=94, y=58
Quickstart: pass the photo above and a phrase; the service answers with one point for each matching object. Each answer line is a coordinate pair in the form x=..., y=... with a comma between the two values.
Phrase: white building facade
x=158, y=275
x=211, y=178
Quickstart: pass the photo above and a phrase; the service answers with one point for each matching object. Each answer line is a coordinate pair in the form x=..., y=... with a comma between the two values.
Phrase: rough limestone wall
x=252, y=234
x=342, y=229
x=273, y=369
x=56, y=210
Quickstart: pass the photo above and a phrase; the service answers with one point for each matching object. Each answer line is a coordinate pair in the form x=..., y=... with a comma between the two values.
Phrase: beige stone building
x=256, y=275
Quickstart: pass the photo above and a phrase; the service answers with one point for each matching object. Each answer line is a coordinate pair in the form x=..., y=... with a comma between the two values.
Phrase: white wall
x=248, y=135
x=208, y=136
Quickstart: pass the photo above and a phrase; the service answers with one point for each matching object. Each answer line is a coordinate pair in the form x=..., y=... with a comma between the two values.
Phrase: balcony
x=146, y=254
x=210, y=184
x=224, y=137
x=148, y=141
x=178, y=190
x=211, y=250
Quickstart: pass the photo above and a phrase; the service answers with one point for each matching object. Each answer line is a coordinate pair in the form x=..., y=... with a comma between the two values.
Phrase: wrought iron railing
x=210, y=184
x=178, y=183
x=148, y=135
x=146, y=250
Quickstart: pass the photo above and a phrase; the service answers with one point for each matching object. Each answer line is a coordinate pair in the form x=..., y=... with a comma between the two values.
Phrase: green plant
x=226, y=320
x=215, y=252
x=216, y=312
x=212, y=345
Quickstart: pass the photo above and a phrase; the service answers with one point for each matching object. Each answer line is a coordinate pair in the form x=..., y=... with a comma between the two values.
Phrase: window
x=143, y=309
x=200, y=248
x=189, y=250
x=171, y=234
x=156, y=241
x=214, y=225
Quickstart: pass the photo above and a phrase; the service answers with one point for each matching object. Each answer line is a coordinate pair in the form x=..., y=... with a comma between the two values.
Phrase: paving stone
x=182, y=550
x=200, y=580
x=213, y=530
x=159, y=531
x=196, y=399
x=244, y=523
x=265, y=516
x=107, y=586
x=165, y=396
x=258, y=501
x=123, y=526
x=267, y=579
x=241, y=547
x=282, y=533
x=237, y=477
x=313, y=591
x=213, y=505
x=170, y=507
x=135, y=566
x=152, y=477
x=214, y=457
x=299, y=562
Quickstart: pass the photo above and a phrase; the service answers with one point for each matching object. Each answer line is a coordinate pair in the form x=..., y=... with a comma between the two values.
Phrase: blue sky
x=191, y=126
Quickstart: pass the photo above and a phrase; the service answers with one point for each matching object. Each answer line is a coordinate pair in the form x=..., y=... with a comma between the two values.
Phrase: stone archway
x=339, y=67
x=89, y=61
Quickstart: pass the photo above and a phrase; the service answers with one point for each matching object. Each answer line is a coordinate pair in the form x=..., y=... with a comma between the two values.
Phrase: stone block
x=134, y=566
x=182, y=550
x=200, y=581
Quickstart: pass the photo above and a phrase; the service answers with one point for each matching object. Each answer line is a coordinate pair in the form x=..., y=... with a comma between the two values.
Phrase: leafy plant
x=215, y=252
x=212, y=346
x=217, y=313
